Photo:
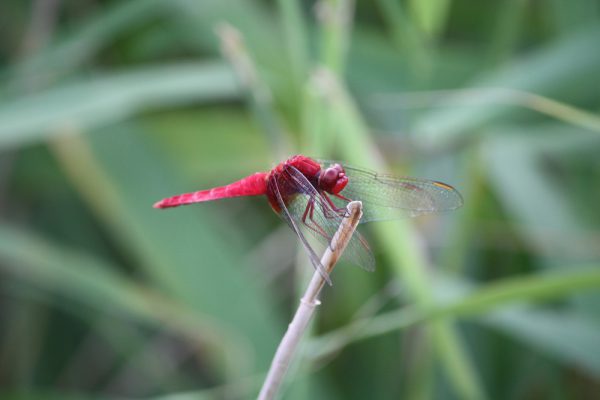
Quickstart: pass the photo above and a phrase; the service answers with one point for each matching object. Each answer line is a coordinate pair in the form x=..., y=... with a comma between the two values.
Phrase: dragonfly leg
x=308, y=206
x=309, y=212
x=320, y=228
x=339, y=196
x=341, y=211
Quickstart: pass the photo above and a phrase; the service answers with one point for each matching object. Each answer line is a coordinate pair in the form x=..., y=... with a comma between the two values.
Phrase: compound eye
x=328, y=179
x=330, y=175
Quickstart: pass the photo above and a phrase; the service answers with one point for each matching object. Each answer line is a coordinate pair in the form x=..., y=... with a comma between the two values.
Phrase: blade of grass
x=507, y=153
x=401, y=242
x=407, y=37
x=94, y=284
x=431, y=15
x=335, y=19
x=111, y=98
x=296, y=38
x=507, y=32
x=64, y=56
x=189, y=253
x=494, y=97
x=536, y=288
x=548, y=72
x=251, y=18
x=566, y=336
x=567, y=17
x=23, y=342
x=319, y=137
x=259, y=95
x=42, y=394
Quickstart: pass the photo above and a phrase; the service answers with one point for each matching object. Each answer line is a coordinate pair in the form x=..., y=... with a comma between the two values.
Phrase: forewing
x=388, y=197
x=324, y=220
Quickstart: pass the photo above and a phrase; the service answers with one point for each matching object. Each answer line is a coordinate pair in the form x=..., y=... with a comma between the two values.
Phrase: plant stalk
x=308, y=303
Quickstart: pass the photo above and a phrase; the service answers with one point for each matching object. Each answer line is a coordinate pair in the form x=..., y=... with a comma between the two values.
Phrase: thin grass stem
x=260, y=96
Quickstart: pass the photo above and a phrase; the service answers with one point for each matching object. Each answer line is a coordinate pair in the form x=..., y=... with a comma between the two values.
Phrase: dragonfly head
x=333, y=179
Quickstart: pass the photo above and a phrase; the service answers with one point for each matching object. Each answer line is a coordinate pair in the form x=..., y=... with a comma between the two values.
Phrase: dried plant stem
x=259, y=94
x=308, y=303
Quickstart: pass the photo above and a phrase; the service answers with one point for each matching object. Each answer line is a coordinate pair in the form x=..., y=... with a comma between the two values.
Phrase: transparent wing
x=388, y=197
x=311, y=212
x=293, y=223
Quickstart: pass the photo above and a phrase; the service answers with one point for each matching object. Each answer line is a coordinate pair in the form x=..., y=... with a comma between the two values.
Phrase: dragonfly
x=311, y=196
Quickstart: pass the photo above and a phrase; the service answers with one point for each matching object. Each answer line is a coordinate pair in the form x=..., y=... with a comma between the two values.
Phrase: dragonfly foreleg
x=339, y=196
x=341, y=211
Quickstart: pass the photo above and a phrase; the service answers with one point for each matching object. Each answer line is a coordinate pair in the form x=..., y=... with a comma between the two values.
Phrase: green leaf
x=462, y=300
x=570, y=338
x=535, y=200
x=95, y=284
x=401, y=241
x=188, y=252
x=431, y=14
x=548, y=72
x=104, y=99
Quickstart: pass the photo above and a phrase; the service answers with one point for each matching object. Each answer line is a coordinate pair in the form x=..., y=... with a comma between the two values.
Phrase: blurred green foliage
x=108, y=106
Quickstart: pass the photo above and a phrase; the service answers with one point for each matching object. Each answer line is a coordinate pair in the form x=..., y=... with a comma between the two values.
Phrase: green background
x=109, y=106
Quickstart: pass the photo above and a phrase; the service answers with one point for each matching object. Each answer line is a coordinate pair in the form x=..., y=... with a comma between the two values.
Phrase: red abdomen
x=252, y=185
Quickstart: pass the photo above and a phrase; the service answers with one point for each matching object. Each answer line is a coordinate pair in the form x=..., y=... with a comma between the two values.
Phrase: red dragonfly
x=311, y=195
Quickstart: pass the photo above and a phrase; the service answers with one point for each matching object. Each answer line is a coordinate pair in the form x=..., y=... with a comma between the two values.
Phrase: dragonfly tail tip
x=159, y=204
